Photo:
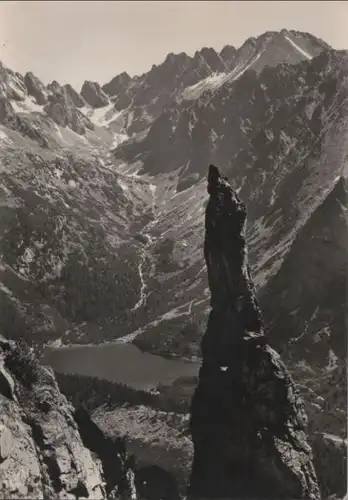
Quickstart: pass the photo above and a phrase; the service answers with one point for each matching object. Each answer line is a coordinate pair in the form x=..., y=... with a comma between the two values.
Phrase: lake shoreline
x=118, y=362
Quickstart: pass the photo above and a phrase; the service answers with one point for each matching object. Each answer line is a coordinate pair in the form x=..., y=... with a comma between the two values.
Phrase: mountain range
x=103, y=193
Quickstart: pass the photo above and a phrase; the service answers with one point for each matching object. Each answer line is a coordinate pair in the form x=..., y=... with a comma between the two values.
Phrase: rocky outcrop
x=61, y=104
x=248, y=423
x=117, y=466
x=20, y=124
x=54, y=87
x=148, y=95
x=46, y=449
x=229, y=55
x=35, y=88
x=75, y=97
x=211, y=59
x=118, y=88
x=11, y=84
x=63, y=112
x=93, y=94
x=6, y=111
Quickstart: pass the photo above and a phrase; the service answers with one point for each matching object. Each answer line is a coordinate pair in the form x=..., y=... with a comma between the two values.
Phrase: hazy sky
x=72, y=41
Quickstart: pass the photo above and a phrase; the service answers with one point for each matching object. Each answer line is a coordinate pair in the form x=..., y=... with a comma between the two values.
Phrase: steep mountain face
x=76, y=98
x=93, y=94
x=144, y=97
x=181, y=77
x=47, y=450
x=279, y=135
x=63, y=207
x=273, y=48
x=130, y=105
x=320, y=318
x=35, y=88
x=255, y=113
x=56, y=104
x=253, y=445
x=66, y=235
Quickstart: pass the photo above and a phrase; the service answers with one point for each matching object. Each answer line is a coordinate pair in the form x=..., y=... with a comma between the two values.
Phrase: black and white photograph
x=173, y=250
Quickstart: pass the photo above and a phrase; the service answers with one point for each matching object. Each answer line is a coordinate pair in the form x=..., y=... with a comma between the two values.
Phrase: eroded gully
x=145, y=232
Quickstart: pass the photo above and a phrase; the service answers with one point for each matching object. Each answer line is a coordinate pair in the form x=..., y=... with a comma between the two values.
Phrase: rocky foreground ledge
x=248, y=423
x=47, y=448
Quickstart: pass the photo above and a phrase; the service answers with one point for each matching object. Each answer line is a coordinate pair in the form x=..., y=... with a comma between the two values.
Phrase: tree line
x=91, y=393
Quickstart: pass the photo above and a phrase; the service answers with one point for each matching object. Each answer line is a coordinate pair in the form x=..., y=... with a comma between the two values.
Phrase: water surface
x=118, y=362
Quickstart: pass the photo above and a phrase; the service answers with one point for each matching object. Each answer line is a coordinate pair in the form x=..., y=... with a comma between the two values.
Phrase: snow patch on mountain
x=123, y=185
x=118, y=139
x=28, y=105
x=103, y=116
x=209, y=83
x=4, y=138
x=297, y=47
x=332, y=363
x=216, y=80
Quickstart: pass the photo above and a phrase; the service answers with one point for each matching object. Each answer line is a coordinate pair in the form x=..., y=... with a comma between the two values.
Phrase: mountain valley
x=103, y=196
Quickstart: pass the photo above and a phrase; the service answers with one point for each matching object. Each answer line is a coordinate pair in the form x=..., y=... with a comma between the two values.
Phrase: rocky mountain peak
x=124, y=77
x=63, y=111
x=182, y=77
x=171, y=58
x=248, y=423
x=117, y=85
x=278, y=47
x=75, y=97
x=200, y=61
x=35, y=88
x=94, y=95
x=228, y=55
x=63, y=108
x=213, y=59
x=180, y=59
x=54, y=88
x=11, y=84
x=305, y=35
x=173, y=66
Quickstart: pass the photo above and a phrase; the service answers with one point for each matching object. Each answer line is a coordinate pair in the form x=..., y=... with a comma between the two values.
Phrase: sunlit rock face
x=47, y=448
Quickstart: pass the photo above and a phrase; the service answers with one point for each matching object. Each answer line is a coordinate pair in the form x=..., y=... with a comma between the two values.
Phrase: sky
x=72, y=41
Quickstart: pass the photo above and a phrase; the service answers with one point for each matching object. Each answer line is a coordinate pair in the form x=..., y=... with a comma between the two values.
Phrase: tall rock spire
x=248, y=423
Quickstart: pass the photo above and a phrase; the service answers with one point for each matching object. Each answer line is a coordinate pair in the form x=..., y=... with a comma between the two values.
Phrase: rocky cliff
x=47, y=449
x=248, y=423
